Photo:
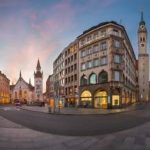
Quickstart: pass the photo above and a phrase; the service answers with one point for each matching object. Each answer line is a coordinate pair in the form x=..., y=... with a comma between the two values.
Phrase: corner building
x=107, y=67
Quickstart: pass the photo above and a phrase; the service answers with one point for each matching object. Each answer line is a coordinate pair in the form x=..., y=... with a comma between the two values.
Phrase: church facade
x=25, y=92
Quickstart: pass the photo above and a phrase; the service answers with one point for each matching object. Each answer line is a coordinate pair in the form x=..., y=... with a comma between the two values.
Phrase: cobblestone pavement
x=17, y=137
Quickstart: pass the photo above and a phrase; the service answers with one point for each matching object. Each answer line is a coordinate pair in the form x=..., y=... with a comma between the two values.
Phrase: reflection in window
x=83, y=80
x=92, y=78
x=103, y=77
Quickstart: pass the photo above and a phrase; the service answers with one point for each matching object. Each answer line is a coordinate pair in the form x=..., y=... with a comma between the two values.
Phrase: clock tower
x=143, y=61
x=38, y=83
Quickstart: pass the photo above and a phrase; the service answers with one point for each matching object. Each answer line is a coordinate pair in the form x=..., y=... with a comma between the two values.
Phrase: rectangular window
x=89, y=64
x=103, y=33
x=117, y=58
x=88, y=38
x=116, y=75
x=117, y=44
x=103, y=45
x=103, y=61
x=95, y=48
x=96, y=62
x=115, y=32
x=83, y=53
x=83, y=66
x=95, y=35
x=89, y=50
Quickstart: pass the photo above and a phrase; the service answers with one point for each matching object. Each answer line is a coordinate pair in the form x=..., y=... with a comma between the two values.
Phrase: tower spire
x=30, y=81
x=20, y=74
x=38, y=67
x=142, y=22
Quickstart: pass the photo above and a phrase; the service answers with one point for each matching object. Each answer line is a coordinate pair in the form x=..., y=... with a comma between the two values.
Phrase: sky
x=32, y=29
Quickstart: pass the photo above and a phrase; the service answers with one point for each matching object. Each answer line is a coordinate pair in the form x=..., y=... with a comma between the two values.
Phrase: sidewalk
x=17, y=137
x=82, y=111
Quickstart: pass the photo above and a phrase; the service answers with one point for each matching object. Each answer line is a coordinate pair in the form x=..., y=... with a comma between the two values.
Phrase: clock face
x=142, y=26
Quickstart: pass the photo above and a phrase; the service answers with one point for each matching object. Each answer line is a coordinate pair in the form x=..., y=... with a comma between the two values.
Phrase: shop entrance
x=100, y=99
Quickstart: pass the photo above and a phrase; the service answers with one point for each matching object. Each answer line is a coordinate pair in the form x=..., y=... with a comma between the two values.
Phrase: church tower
x=38, y=83
x=143, y=61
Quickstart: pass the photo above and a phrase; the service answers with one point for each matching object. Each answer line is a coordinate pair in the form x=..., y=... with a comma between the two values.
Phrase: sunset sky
x=32, y=29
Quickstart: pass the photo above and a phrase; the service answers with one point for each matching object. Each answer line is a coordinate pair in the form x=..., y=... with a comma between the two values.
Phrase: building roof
x=100, y=25
x=38, y=67
x=38, y=74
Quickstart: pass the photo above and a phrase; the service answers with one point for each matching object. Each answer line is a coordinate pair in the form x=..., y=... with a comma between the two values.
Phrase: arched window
x=83, y=80
x=92, y=78
x=103, y=77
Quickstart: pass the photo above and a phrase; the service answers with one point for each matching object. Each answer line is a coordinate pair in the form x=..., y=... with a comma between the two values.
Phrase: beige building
x=107, y=64
x=101, y=70
x=71, y=74
x=4, y=89
x=143, y=59
x=59, y=78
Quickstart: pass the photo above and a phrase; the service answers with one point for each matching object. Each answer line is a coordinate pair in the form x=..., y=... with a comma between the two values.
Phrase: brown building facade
x=107, y=67
x=71, y=74
x=4, y=89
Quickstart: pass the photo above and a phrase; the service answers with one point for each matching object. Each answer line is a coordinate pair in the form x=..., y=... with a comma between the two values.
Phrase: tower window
x=142, y=45
x=143, y=39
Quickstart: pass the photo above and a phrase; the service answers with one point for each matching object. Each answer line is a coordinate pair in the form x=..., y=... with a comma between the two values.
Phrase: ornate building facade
x=22, y=91
x=4, y=89
x=38, y=83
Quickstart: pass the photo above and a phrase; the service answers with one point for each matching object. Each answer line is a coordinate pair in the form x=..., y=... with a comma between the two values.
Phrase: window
x=95, y=48
x=116, y=75
x=83, y=53
x=83, y=80
x=103, y=77
x=103, y=45
x=96, y=62
x=117, y=58
x=115, y=32
x=89, y=64
x=88, y=38
x=75, y=66
x=103, y=33
x=103, y=61
x=117, y=44
x=75, y=77
x=92, y=78
x=89, y=50
x=75, y=56
x=83, y=66
x=95, y=35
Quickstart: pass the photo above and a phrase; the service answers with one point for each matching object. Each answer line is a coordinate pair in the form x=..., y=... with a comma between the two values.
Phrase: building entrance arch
x=100, y=99
x=86, y=98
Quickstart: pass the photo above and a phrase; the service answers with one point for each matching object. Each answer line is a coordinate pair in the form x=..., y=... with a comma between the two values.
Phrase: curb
x=67, y=114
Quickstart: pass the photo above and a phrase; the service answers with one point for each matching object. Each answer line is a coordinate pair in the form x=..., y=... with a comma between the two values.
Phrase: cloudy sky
x=32, y=29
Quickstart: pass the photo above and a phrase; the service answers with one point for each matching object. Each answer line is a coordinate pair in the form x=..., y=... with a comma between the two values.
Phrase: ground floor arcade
x=106, y=97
